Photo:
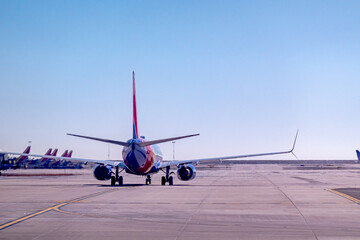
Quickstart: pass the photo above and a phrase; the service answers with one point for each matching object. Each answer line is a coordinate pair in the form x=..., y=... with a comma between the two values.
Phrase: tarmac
x=248, y=201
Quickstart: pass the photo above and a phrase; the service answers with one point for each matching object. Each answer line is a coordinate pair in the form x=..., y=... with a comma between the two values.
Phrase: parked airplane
x=35, y=163
x=44, y=162
x=71, y=164
x=20, y=161
x=141, y=157
x=6, y=162
x=59, y=163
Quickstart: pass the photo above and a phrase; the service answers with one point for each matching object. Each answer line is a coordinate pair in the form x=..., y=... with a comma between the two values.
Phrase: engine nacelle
x=102, y=172
x=186, y=172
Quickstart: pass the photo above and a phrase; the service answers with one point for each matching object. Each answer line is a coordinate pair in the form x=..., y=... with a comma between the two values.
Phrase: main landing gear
x=167, y=177
x=117, y=178
x=148, y=180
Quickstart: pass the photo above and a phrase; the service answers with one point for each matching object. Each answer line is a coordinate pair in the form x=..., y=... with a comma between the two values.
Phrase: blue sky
x=243, y=74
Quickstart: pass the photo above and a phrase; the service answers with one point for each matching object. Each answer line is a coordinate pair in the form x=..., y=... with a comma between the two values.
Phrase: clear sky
x=243, y=74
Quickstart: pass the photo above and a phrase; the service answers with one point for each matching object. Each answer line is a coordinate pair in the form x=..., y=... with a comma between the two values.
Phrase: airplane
x=71, y=164
x=35, y=163
x=144, y=158
x=6, y=162
x=358, y=154
x=55, y=163
x=44, y=163
x=20, y=161
x=61, y=163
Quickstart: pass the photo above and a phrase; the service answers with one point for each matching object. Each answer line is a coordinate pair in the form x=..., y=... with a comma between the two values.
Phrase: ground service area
x=227, y=201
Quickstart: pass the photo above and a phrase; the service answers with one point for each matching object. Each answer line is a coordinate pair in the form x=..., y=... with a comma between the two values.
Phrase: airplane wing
x=115, y=163
x=219, y=159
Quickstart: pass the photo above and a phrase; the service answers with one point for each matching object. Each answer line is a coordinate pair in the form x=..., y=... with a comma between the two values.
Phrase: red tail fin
x=54, y=153
x=135, y=128
x=48, y=151
x=65, y=154
x=26, y=151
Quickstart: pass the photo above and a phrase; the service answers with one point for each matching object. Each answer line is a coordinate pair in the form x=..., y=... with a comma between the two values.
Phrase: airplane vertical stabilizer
x=27, y=151
x=65, y=154
x=135, y=128
x=54, y=152
x=48, y=153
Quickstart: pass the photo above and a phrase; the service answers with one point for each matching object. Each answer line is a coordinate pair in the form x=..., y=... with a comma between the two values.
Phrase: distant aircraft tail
x=358, y=154
x=48, y=153
x=22, y=158
x=70, y=153
x=54, y=152
x=135, y=127
x=65, y=154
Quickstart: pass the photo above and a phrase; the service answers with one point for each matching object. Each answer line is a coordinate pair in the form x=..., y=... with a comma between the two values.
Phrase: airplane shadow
x=155, y=185
x=124, y=185
x=116, y=186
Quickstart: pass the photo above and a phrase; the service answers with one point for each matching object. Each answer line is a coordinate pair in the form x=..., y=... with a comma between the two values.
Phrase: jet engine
x=102, y=172
x=186, y=172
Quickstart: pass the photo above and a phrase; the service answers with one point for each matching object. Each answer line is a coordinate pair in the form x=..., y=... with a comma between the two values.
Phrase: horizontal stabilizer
x=101, y=140
x=143, y=144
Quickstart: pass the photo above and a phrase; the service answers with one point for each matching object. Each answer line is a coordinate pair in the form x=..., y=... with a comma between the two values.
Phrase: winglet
x=358, y=155
x=295, y=140
x=292, y=150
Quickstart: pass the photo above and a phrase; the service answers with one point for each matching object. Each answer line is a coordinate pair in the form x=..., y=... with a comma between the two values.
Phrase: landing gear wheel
x=167, y=177
x=148, y=180
x=171, y=181
x=113, y=180
x=120, y=180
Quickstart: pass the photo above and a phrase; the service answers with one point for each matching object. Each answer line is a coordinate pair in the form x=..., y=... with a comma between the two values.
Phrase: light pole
x=173, y=142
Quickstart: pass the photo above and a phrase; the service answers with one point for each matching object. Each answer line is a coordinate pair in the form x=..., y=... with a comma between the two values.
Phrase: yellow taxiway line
x=53, y=208
x=345, y=196
x=31, y=215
